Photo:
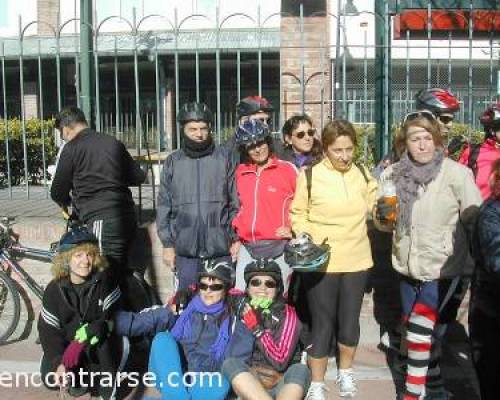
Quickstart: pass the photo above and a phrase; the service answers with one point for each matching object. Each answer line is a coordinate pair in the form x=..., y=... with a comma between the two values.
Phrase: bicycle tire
x=10, y=307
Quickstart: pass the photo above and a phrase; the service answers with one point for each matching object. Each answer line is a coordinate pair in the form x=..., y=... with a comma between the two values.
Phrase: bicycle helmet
x=194, y=111
x=252, y=105
x=75, y=237
x=263, y=266
x=438, y=101
x=491, y=118
x=301, y=254
x=250, y=132
x=219, y=268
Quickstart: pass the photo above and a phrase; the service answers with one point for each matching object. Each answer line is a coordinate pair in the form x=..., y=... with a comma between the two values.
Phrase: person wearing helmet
x=93, y=176
x=480, y=157
x=205, y=333
x=484, y=307
x=266, y=186
x=443, y=104
x=197, y=199
x=251, y=108
x=74, y=326
x=332, y=201
x=274, y=370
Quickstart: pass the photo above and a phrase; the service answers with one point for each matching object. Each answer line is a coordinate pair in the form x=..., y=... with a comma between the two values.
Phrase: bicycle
x=10, y=251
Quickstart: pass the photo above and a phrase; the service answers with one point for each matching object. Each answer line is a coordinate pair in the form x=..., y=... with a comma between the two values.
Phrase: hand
x=284, y=232
x=251, y=320
x=72, y=354
x=169, y=257
x=60, y=375
x=383, y=211
x=234, y=250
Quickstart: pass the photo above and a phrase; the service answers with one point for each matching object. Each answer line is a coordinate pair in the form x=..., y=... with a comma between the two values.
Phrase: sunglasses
x=419, y=114
x=270, y=284
x=215, y=287
x=309, y=132
x=446, y=119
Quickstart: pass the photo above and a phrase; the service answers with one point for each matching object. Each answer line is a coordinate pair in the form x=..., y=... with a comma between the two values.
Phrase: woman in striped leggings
x=437, y=207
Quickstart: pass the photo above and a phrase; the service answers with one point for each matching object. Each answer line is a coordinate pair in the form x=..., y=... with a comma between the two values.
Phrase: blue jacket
x=205, y=329
x=486, y=250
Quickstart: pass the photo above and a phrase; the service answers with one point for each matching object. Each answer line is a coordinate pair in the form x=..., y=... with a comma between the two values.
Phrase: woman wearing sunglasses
x=437, y=206
x=302, y=146
x=274, y=370
x=196, y=341
x=335, y=207
x=265, y=186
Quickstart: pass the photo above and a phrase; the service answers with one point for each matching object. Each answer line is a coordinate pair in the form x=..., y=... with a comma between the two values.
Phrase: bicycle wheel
x=10, y=307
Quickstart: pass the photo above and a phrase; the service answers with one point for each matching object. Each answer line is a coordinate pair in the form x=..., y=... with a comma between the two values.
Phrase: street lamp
x=348, y=9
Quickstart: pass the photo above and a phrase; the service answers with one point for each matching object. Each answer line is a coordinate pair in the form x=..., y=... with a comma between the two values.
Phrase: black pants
x=484, y=330
x=334, y=301
x=116, y=234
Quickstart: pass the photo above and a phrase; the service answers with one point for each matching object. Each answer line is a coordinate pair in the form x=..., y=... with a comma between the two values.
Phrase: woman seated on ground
x=274, y=370
x=194, y=341
x=302, y=147
x=73, y=323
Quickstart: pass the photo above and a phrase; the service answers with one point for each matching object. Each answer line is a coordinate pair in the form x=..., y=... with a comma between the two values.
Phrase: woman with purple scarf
x=437, y=205
x=188, y=352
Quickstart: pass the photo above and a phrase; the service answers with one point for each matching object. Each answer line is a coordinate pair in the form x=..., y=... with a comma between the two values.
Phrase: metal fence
x=141, y=77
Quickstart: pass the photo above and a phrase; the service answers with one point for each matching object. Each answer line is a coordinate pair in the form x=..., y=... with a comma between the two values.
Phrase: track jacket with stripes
x=65, y=308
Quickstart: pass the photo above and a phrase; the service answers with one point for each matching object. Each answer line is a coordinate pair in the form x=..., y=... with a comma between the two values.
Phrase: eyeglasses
x=446, y=119
x=309, y=132
x=215, y=287
x=270, y=284
x=419, y=114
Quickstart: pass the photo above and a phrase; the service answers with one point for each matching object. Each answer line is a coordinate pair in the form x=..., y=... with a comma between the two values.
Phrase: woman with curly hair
x=73, y=324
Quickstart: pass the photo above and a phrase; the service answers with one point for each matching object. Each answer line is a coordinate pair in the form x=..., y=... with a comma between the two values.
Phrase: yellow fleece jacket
x=337, y=211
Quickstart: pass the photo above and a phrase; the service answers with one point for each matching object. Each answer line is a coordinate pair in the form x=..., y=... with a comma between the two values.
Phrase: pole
x=86, y=52
x=382, y=83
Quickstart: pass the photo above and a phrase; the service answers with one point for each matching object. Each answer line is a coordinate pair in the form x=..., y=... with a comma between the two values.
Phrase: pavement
x=38, y=222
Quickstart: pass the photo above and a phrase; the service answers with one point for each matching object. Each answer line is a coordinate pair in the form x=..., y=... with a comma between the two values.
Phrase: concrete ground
x=38, y=222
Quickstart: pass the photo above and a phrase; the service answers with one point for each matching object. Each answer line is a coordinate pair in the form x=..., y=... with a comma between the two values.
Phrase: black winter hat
x=221, y=268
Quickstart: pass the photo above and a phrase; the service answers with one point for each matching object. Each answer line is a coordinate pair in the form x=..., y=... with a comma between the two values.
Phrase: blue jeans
x=165, y=364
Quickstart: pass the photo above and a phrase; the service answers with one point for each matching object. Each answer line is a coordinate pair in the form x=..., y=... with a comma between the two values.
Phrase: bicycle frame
x=8, y=263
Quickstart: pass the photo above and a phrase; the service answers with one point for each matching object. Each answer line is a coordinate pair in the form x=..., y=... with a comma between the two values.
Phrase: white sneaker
x=317, y=391
x=345, y=381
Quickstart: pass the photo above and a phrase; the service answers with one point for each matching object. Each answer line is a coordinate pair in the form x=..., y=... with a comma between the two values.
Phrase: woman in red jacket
x=266, y=186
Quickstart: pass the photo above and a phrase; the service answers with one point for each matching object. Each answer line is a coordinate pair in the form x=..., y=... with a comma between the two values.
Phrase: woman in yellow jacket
x=341, y=197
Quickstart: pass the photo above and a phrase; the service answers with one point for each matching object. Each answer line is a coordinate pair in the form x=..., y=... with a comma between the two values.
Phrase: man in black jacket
x=93, y=177
x=197, y=199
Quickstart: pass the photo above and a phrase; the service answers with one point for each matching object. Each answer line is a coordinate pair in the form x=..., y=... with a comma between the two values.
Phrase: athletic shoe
x=345, y=381
x=317, y=391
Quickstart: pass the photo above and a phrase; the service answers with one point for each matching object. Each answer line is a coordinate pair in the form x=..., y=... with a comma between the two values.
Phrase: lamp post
x=342, y=11
x=86, y=51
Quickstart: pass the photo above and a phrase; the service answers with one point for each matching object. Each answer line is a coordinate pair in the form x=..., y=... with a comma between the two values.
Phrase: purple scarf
x=183, y=329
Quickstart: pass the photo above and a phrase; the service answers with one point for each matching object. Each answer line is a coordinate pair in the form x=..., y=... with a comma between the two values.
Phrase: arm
x=133, y=174
x=469, y=199
x=51, y=335
x=488, y=235
x=299, y=209
x=165, y=216
x=146, y=322
x=63, y=179
x=233, y=200
x=242, y=343
x=279, y=351
x=371, y=192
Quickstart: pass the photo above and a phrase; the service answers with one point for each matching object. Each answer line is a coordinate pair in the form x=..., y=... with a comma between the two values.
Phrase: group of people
x=269, y=242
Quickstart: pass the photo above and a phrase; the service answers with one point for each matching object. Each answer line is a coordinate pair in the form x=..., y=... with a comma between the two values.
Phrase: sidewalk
x=39, y=223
